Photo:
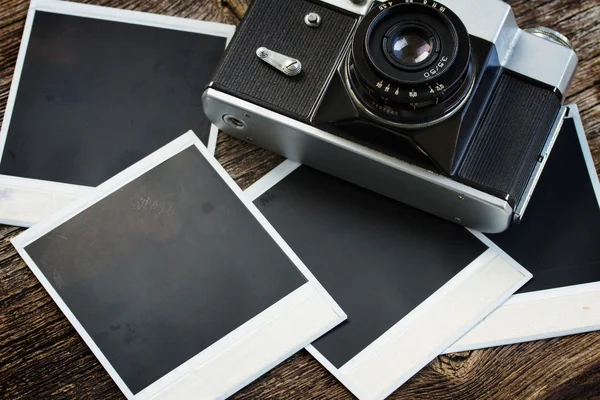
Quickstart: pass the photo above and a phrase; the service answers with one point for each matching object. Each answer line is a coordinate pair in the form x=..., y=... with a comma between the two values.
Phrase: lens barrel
x=410, y=62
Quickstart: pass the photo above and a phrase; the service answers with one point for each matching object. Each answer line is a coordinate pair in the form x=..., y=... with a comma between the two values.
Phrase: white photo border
x=321, y=312
x=380, y=381
x=24, y=201
x=542, y=314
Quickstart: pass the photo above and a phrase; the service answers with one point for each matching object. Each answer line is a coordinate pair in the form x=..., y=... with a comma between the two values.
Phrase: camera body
x=446, y=106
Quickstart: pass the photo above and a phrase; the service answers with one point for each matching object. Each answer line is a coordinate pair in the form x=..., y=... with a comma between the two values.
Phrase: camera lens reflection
x=411, y=48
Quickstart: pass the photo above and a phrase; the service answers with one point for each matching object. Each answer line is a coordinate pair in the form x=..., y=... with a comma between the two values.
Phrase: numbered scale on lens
x=436, y=88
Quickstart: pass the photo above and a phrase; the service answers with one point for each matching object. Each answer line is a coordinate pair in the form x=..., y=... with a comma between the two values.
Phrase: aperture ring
x=390, y=117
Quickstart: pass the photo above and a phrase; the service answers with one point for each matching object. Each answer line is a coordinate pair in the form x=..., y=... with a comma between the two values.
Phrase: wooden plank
x=41, y=356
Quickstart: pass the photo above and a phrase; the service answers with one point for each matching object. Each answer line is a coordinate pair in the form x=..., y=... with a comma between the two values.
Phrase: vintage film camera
x=444, y=105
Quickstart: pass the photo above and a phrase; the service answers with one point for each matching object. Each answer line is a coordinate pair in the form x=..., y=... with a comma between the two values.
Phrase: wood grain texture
x=41, y=355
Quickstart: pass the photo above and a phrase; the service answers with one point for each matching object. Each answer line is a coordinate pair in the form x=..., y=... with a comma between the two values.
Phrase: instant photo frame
x=83, y=106
x=175, y=281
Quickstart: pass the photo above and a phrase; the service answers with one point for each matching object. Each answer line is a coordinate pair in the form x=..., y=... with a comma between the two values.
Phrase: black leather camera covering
x=97, y=96
x=509, y=140
x=279, y=26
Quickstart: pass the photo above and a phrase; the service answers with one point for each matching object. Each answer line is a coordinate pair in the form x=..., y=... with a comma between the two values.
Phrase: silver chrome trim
x=519, y=51
x=360, y=9
x=360, y=165
x=284, y=64
x=491, y=20
x=543, y=61
x=358, y=103
x=312, y=19
x=552, y=35
x=537, y=172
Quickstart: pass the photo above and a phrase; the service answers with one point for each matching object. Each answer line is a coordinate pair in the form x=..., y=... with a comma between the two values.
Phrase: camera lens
x=410, y=63
x=411, y=47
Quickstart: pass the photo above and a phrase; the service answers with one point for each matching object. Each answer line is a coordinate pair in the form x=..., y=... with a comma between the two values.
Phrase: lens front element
x=411, y=48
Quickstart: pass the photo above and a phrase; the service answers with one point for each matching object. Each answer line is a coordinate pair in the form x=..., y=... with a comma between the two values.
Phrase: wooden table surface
x=41, y=355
